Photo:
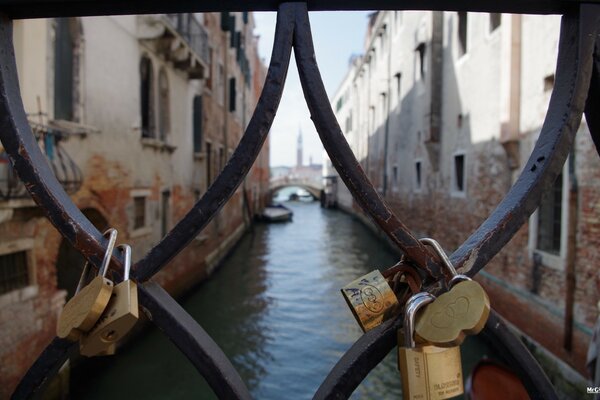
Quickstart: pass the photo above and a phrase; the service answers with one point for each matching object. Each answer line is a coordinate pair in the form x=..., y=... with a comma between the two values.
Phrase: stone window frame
x=554, y=261
x=31, y=290
x=454, y=192
x=147, y=228
x=78, y=78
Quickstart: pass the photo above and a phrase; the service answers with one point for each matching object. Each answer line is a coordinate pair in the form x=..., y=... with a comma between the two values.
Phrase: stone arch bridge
x=313, y=185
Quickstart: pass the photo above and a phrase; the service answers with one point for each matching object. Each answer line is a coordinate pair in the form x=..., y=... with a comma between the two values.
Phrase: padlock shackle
x=126, y=249
x=441, y=253
x=456, y=277
x=412, y=306
x=112, y=239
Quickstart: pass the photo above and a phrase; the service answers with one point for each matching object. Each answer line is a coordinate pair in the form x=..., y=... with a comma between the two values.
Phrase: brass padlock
x=428, y=372
x=83, y=310
x=371, y=300
x=461, y=311
x=118, y=318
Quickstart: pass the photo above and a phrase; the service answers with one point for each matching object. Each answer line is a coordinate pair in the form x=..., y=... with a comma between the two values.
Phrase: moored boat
x=277, y=213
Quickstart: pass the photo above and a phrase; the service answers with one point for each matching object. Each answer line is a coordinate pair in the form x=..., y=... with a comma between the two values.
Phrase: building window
x=549, y=225
x=420, y=54
x=395, y=174
x=166, y=212
x=147, y=97
x=197, y=115
x=397, y=78
x=139, y=212
x=418, y=175
x=495, y=20
x=220, y=84
x=14, y=272
x=66, y=66
x=459, y=173
x=209, y=78
x=232, y=94
x=164, y=118
x=462, y=33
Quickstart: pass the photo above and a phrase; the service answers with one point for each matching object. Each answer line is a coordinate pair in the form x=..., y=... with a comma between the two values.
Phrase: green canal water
x=275, y=308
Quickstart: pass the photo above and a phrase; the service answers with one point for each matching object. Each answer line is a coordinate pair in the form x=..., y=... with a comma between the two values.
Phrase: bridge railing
x=576, y=89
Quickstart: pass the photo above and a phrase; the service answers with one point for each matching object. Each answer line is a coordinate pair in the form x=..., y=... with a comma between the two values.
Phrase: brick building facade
x=442, y=111
x=137, y=116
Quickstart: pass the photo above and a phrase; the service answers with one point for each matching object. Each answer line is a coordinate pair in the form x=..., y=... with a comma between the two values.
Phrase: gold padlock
x=462, y=310
x=118, y=318
x=84, y=309
x=428, y=372
x=371, y=300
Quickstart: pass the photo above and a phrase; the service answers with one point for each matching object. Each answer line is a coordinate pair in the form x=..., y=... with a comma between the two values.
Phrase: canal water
x=275, y=308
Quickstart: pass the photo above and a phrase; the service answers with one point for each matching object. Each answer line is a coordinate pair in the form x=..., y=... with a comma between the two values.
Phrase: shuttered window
x=197, y=112
x=550, y=218
x=63, y=70
x=147, y=97
x=232, y=94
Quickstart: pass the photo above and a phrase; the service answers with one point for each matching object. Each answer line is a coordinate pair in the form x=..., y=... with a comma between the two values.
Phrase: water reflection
x=276, y=310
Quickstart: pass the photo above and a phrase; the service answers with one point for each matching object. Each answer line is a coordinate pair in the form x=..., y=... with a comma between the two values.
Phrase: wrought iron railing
x=192, y=32
x=576, y=90
x=65, y=169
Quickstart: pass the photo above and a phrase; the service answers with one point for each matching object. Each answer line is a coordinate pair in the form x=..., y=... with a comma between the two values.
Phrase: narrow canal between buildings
x=275, y=308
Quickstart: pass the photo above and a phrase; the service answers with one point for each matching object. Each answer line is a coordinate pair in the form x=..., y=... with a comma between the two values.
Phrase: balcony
x=179, y=38
x=65, y=169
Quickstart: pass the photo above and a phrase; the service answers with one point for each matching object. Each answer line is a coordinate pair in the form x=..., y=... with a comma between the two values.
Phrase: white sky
x=337, y=35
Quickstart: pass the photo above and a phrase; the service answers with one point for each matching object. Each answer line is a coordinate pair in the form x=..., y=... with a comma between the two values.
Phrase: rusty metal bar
x=341, y=154
x=240, y=162
x=578, y=36
x=177, y=325
x=573, y=73
x=373, y=346
x=49, y=195
x=65, y=8
x=573, y=76
x=193, y=341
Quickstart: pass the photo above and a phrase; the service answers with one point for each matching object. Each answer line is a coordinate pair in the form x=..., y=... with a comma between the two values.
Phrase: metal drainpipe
x=387, y=118
x=570, y=278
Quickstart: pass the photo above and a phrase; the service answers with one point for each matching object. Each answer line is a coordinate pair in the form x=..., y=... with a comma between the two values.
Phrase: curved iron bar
x=592, y=105
x=573, y=74
x=24, y=142
x=31, y=164
x=193, y=342
x=177, y=325
x=341, y=154
x=55, y=354
x=46, y=365
x=373, y=346
x=241, y=161
x=47, y=192
x=577, y=38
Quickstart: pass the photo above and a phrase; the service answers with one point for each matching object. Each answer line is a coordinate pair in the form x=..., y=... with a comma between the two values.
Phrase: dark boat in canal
x=277, y=213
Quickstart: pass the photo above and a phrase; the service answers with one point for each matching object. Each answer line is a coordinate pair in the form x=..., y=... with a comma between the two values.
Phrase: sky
x=337, y=36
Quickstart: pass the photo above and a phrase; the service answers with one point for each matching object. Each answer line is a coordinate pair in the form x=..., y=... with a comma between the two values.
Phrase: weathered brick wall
x=509, y=277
